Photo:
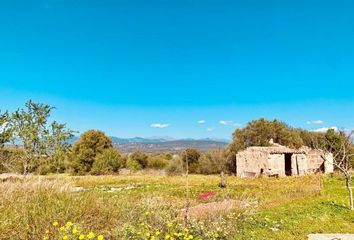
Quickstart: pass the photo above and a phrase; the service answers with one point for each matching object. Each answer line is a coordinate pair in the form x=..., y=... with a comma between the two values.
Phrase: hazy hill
x=163, y=144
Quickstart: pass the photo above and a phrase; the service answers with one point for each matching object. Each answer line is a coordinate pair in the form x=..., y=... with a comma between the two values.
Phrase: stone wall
x=250, y=163
x=314, y=160
x=254, y=161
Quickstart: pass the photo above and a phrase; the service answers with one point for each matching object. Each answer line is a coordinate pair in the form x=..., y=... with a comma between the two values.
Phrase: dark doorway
x=288, y=164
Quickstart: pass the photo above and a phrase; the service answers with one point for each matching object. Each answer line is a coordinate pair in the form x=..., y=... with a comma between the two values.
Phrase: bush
x=133, y=165
x=10, y=160
x=157, y=162
x=107, y=162
x=140, y=158
x=212, y=162
x=175, y=167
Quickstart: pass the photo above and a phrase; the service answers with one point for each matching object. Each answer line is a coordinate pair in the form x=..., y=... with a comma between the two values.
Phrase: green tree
x=58, y=147
x=85, y=150
x=191, y=157
x=107, y=162
x=340, y=145
x=259, y=132
x=6, y=132
x=30, y=127
x=213, y=161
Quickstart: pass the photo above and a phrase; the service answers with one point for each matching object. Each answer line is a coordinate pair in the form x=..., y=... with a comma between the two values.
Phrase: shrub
x=10, y=160
x=140, y=158
x=133, y=165
x=175, y=166
x=213, y=161
x=157, y=162
x=107, y=162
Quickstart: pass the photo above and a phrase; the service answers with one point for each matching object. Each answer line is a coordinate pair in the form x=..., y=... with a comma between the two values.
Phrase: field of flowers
x=154, y=207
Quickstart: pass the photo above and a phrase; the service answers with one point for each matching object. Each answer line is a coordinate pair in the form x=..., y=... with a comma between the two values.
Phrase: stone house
x=278, y=160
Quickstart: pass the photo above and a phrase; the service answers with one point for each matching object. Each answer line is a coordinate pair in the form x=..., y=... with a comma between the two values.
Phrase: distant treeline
x=29, y=144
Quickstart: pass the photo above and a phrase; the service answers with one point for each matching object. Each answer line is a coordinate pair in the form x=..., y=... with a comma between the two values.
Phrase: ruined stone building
x=278, y=160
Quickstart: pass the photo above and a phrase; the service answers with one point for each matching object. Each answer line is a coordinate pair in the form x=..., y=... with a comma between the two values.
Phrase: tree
x=85, y=150
x=340, y=145
x=259, y=132
x=58, y=146
x=191, y=157
x=6, y=133
x=30, y=127
x=107, y=162
x=213, y=161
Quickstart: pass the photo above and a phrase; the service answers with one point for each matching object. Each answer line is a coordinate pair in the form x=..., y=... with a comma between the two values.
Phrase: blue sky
x=156, y=68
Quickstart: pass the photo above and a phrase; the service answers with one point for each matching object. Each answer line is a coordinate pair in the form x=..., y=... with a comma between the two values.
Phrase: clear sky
x=156, y=68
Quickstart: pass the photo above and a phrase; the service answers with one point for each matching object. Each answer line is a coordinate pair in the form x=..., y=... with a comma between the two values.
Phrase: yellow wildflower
x=55, y=223
x=167, y=236
x=91, y=235
x=81, y=236
x=69, y=224
x=65, y=237
x=100, y=237
x=75, y=230
x=62, y=228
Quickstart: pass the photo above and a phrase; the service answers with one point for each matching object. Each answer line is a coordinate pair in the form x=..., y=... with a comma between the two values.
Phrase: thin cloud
x=315, y=122
x=210, y=129
x=201, y=122
x=225, y=122
x=159, y=125
x=325, y=129
x=237, y=124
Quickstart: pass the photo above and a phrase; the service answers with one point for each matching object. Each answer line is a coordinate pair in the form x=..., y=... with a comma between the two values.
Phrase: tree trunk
x=350, y=191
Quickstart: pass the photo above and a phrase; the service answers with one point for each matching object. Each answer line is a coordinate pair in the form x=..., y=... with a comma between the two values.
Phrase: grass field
x=151, y=207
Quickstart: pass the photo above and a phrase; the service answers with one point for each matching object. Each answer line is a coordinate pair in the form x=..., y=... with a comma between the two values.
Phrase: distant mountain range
x=164, y=144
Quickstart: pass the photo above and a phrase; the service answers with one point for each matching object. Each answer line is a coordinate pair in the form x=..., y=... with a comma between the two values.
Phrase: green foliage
x=294, y=205
x=10, y=160
x=6, y=132
x=139, y=157
x=85, y=150
x=133, y=165
x=259, y=132
x=36, y=137
x=107, y=162
x=174, y=229
x=175, y=166
x=157, y=162
x=213, y=162
x=193, y=156
x=70, y=231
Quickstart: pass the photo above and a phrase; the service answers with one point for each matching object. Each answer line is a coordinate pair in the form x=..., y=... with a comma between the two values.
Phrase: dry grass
x=28, y=206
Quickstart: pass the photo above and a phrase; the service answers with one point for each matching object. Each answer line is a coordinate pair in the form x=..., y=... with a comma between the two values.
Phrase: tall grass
x=29, y=206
